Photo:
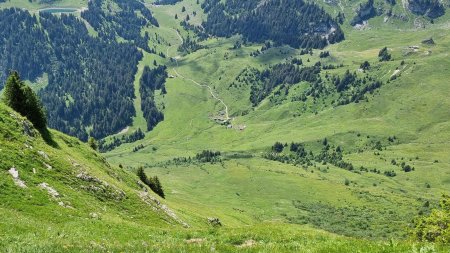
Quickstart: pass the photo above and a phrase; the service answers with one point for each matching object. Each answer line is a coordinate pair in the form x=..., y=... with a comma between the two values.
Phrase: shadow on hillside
x=48, y=138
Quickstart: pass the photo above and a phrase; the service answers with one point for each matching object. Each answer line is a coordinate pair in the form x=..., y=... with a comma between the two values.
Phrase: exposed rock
x=43, y=154
x=419, y=24
x=27, y=126
x=430, y=8
x=396, y=73
x=15, y=174
x=74, y=163
x=94, y=216
x=195, y=240
x=86, y=177
x=141, y=185
x=51, y=191
x=60, y=203
x=429, y=41
x=363, y=26
x=49, y=167
x=214, y=222
x=101, y=189
x=156, y=205
x=247, y=244
x=364, y=13
x=28, y=129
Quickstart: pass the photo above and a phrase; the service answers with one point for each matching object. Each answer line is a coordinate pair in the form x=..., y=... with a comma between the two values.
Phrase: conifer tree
x=92, y=143
x=24, y=100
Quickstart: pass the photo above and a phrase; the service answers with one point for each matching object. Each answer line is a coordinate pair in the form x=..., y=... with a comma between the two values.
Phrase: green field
x=35, y=5
x=250, y=190
x=263, y=205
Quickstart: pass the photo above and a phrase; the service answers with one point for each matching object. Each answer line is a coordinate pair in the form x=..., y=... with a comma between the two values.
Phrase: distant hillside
x=356, y=13
x=295, y=23
x=88, y=74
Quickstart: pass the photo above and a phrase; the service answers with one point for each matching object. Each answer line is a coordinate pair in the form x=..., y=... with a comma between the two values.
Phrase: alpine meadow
x=225, y=126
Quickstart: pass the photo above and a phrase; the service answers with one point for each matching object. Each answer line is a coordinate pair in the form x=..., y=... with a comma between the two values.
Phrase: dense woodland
x=151, y=81
x=24, y=45
x=104, y=146
x=73, y=102
x=280, y=74
x=364, y=12
x=190, y=45
x=126, y=23
x=292, y=22
x=429, y=8
x=90, y=88
x=276, y=82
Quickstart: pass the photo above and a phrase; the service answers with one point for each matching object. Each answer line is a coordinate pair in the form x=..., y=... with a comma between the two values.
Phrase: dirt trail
x=211, y=90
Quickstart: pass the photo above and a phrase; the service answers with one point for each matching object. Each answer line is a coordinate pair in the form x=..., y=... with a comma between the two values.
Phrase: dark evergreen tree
x=365, y=65
x=384, y=55
x=22, y=99
x=92, y=143
x=152, y=182
x=278, y=147
x=152, y=80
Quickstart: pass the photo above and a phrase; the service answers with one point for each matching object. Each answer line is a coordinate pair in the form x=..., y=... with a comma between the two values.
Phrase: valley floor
x=263, y=205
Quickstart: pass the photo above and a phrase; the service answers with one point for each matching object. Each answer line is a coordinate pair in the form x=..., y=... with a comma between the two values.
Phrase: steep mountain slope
x=64, y=185
x=64, y=197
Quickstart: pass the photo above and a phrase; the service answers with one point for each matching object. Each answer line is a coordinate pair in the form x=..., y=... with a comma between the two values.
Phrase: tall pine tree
x=24, y=100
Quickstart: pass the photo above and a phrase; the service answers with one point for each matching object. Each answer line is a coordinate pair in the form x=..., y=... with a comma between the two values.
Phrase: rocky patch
x=157, y=205
x=15, y=174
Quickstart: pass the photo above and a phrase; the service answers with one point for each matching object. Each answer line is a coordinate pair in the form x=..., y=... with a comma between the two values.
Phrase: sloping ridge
x=68, y=182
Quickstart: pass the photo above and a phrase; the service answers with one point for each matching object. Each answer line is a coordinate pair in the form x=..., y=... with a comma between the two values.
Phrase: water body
x=59, y=10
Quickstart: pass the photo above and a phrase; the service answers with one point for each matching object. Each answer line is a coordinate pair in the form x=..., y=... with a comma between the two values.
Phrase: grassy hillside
x=263, y=205
x=35, y=5
x=66, y=188
x=66, y=198
x=250, y=189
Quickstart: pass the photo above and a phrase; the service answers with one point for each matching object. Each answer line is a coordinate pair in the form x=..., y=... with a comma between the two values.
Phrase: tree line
x=90, y=87
x=296, y=23
x=104, y=146
x=151, y=81
x=152, y=182
x=125, y=22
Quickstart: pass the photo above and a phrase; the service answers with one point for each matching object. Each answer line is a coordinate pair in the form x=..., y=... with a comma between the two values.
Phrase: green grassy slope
x=67, y=190
x=35, y=5
x=87, y=205
x=262, y=204
x=250, y=190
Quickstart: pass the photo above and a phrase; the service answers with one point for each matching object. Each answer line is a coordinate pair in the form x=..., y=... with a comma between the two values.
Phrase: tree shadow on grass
x=48, y=137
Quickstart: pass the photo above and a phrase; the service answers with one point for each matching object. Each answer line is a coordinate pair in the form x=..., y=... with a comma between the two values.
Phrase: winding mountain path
x=211, y=90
